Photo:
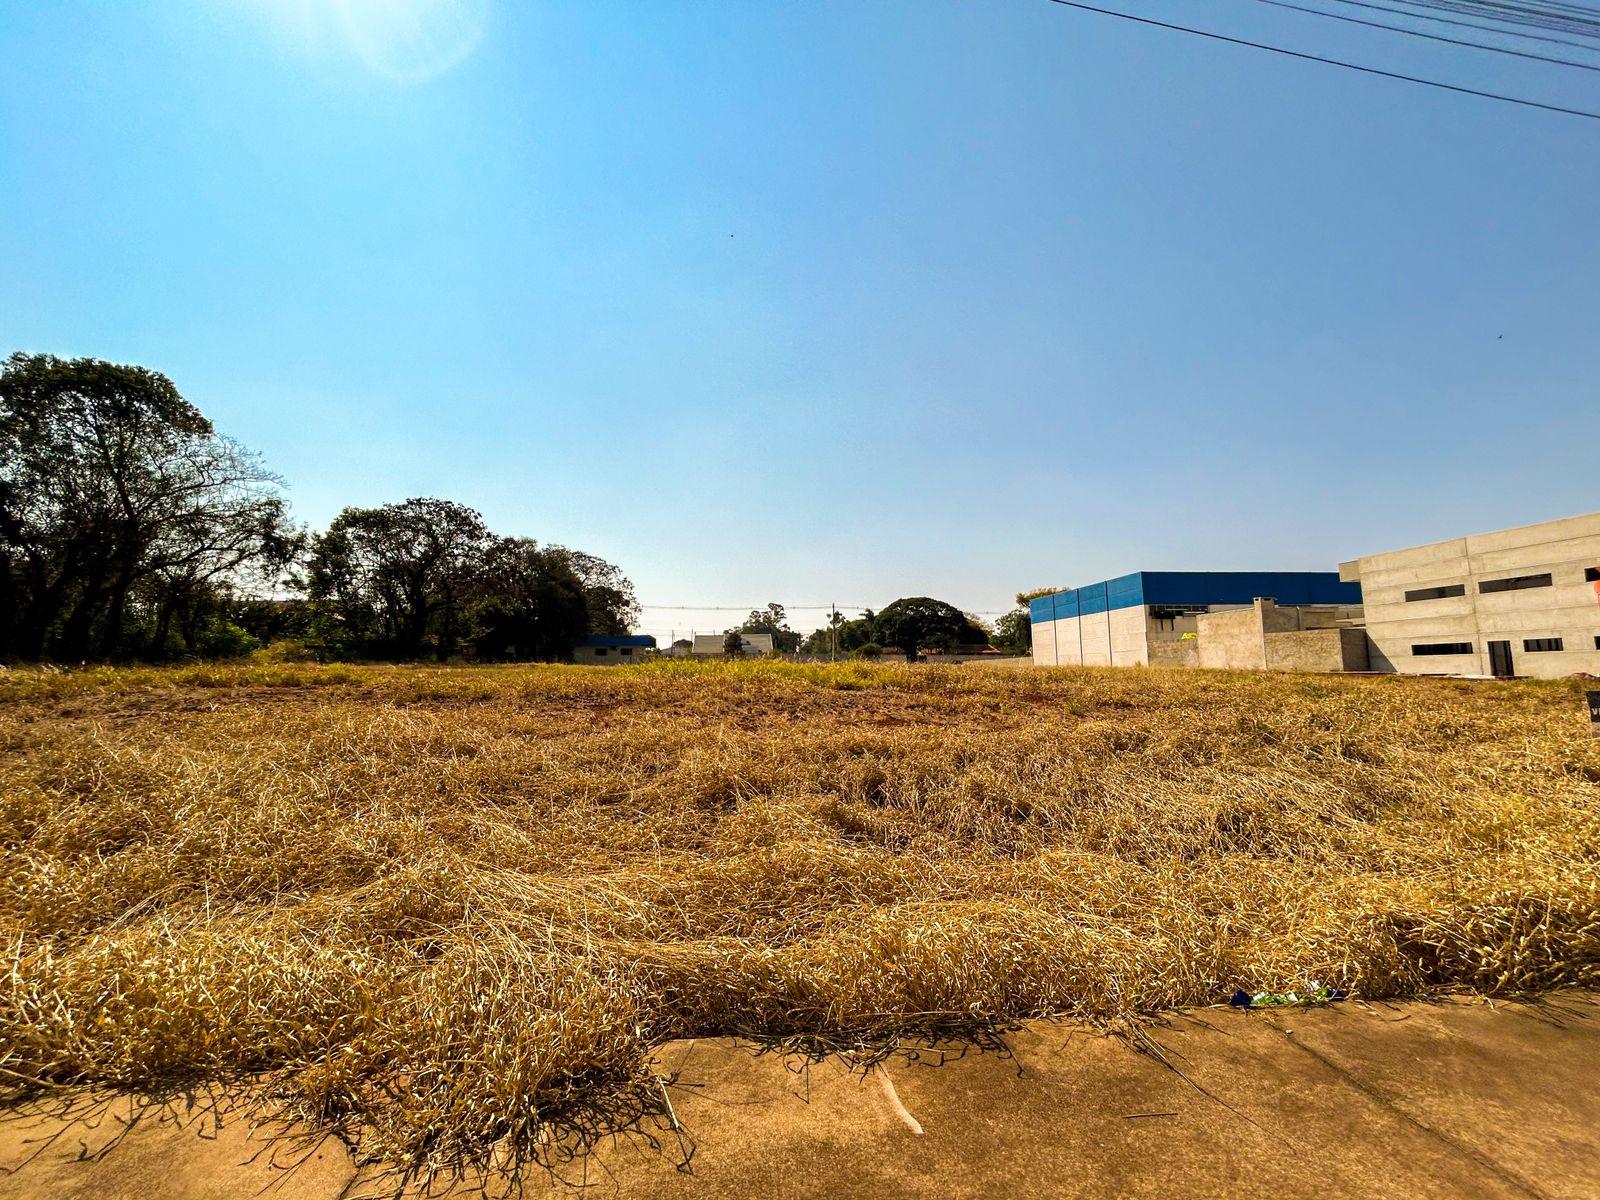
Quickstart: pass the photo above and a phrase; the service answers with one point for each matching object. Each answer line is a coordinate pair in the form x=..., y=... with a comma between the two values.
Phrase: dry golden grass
x=448, y=912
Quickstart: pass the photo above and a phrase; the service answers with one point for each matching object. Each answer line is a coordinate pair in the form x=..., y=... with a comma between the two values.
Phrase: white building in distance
x=1522, y=601
x=710, y=645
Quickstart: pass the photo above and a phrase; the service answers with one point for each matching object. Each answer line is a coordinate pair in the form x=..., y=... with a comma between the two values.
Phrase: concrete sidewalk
x=1453, y=1099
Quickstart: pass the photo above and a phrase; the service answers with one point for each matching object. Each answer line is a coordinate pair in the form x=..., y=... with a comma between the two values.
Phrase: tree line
x=131, y=529
x=912, y=625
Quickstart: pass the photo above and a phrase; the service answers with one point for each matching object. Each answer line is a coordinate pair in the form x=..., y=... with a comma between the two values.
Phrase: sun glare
x=411, y=41
x=405, y=41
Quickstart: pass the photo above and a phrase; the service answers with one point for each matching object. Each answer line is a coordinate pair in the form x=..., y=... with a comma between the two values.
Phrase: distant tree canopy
x=393, y=582
x=910, y=625
x=1034, y=593
x=773, y=620
x=844, y=637
x=609, y=596
x=918, y=623
x=426, y=578
x=127, y=523
x=1014, y=631
x=130, y=528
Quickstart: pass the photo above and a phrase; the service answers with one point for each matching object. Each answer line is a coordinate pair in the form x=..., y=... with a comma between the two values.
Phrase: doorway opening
x=1500, y=664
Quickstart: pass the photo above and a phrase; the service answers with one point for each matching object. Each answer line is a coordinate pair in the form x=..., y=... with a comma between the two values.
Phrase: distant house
x=612, y=650
x=964, y=651
x=682, y=648
x=710, y=645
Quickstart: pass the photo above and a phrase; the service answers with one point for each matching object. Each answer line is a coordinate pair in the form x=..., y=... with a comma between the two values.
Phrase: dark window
x=1516, y=583
x=1443, y=648
x=1597, y=641
x=626, y=650
x=1533, y=644
x=1591, y=574
x=1437, y=593
x=599, y=653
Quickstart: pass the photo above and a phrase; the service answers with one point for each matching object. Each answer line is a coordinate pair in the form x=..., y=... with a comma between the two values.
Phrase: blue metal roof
x=608, y=641
x=1195, y=587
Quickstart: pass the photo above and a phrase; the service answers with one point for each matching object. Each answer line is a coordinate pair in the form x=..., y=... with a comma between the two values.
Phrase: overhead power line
x=1583, y=20
x=1434, y=37
x=1332, y=62
x=1503, y=32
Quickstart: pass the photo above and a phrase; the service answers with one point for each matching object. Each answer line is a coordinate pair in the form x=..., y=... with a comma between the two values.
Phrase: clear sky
x=813, y=301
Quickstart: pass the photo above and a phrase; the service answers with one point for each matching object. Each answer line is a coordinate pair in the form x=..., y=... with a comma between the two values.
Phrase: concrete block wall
x=1179, y=653
x=1325, y=649
x=1236, y=638
x=1233, y=639
x=1267, y=636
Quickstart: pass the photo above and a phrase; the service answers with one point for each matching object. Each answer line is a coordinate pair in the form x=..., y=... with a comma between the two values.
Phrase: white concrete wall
x=1569, y=609
x=1044, y=643
x=1118, y=638
x=609, y=656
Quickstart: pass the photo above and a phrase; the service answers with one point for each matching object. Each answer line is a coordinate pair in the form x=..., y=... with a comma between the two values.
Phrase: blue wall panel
x=1196, y=588
x=1126, y=591
x=1241, y=587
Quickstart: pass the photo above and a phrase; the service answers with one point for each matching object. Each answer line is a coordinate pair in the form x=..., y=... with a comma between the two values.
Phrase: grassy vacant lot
x=447, y=912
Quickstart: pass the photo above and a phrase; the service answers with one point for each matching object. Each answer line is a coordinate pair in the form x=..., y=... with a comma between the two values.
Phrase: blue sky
x=830, y=300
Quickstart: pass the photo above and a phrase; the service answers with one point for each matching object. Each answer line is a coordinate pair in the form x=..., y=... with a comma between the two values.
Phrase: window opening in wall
x=599, y=653
x=1437, y=593
x=1591, y=574
x=1442, y=648
x=1515, y=583
x=1532, y=645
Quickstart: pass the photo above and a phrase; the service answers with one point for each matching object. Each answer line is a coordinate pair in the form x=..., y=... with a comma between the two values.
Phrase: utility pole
x=833, y=628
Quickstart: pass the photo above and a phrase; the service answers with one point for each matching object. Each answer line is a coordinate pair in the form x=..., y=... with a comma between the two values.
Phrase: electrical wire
x=1581, y=20
x=1332, y=62
x=1434, y=37
x=1417, y=16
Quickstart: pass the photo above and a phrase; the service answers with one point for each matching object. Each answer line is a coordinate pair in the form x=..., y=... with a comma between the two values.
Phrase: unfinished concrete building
x=1155, y=617
x=1523, y=601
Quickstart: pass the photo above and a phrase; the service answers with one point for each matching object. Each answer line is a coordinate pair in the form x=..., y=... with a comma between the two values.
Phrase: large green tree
x=916, y=623
x=124, y=515
x=608, y=594
x=427, y=578
x=394, y=581
x=529, y=603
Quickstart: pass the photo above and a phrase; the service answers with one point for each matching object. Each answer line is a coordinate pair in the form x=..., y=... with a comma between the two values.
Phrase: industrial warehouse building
x=1522, y=601
x=1147, y=616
